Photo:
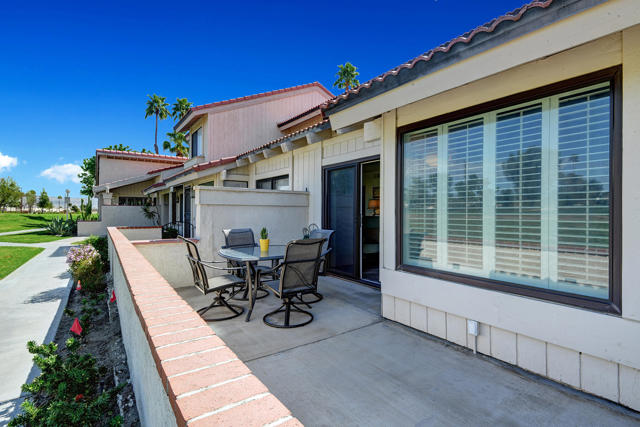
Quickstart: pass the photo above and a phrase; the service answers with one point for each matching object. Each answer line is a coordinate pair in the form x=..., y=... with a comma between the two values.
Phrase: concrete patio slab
x=351, y=367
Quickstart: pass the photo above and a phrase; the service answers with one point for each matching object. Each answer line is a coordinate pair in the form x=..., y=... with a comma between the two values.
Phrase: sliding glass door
x=342, y=216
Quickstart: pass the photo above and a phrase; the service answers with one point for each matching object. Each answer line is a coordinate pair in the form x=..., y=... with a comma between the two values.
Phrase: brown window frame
x=613, y=304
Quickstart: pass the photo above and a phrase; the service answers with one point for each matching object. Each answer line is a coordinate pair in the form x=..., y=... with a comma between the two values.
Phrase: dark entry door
x=187, y=212
x=341, y=215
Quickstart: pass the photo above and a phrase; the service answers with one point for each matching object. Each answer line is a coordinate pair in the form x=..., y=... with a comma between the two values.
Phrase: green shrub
x=66, y=391
x=85, y=265
x=59, y=226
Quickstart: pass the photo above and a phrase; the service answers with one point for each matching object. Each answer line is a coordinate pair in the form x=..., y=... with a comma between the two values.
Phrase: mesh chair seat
x=298, y=276
x=244, y=238
x=216, y=284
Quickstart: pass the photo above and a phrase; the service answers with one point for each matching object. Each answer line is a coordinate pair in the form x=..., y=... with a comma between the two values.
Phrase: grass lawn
x=16, y=221
x=35, y=237
x=12, y=257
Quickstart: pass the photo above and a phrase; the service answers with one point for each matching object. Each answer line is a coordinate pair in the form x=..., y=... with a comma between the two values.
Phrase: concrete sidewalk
x=31, y=230
x=32, y=299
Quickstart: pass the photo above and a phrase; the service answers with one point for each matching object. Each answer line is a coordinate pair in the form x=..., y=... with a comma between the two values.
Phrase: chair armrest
x=208, y=264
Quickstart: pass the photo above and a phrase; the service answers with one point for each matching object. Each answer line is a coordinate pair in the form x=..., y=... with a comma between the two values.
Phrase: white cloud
x=7, y=162
x=63, y=173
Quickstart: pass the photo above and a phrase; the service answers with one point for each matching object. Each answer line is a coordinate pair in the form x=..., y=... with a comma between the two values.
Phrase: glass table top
x=252, y=253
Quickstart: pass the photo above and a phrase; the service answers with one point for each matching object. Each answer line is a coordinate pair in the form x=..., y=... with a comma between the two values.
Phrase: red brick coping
x=205, y=381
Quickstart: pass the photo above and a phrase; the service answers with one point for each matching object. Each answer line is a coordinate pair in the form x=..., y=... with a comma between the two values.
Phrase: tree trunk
x=155, y=144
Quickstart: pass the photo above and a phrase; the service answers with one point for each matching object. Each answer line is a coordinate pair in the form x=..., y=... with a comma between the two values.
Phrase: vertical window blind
x=518, y=195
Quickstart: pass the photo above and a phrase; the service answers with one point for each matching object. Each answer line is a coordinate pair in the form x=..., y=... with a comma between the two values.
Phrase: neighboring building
x=482, y=181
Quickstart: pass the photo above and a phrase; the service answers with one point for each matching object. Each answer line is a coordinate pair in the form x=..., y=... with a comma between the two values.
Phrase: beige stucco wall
x=110, y=170
x=258, y=122
x=169, y=257
x=596, y=352
x=284, y=213
x=114, y=216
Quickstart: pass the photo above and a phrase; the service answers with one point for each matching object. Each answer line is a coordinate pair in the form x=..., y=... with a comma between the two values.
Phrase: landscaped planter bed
x=101, y=338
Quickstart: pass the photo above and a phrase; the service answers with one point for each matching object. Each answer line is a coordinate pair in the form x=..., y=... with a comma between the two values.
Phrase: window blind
x=421, y=185
x=465, y=189
x=519, y=194
x=583, y=189
x=518, y=191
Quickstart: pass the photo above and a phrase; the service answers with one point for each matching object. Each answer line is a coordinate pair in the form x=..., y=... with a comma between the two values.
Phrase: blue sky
x=74, y=75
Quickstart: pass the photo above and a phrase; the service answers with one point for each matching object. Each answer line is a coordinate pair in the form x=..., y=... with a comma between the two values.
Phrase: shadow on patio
x=352, y=367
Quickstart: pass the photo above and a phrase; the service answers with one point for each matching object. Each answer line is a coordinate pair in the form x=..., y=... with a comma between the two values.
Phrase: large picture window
x=518, y=196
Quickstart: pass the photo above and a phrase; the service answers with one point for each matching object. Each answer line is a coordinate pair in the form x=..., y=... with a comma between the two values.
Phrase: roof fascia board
x=540, y=33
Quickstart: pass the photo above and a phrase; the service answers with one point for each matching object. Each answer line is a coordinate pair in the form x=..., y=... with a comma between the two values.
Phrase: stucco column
x=106, y=198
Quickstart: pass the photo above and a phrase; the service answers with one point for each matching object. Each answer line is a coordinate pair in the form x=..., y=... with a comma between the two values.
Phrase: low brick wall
x=182, y=373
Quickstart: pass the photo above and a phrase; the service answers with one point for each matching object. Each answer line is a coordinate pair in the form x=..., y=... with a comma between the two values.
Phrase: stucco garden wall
x=284, y=213
x=114, y=216
x=168, y=257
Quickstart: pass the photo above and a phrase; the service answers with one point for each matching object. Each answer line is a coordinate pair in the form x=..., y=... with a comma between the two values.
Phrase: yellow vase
x=264, y=245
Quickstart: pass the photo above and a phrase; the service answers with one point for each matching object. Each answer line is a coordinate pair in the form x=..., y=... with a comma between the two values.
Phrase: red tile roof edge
x=211, y=387
x=254, y=96
x=466, y=38
x=138, y=154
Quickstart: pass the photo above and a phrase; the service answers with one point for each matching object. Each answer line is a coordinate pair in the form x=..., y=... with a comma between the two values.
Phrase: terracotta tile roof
x=250, y=97
x=465, y=38
x=161, y=157
x=282, y=138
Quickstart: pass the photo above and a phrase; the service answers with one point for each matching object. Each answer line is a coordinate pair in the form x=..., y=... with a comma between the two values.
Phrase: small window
x=235, y=184
x=133, y=201
x=275, y=183
x=196, y=136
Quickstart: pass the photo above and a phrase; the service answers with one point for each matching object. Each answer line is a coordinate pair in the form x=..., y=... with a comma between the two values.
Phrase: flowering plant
x=85, y=266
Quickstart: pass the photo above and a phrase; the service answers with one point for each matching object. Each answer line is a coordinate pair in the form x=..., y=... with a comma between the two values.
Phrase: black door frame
x=357, y=163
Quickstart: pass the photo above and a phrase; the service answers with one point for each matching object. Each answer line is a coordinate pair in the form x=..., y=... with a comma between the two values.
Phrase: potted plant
x=264, y=239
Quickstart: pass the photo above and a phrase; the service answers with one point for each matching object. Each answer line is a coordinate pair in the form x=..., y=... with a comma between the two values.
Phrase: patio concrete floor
x=352, y=367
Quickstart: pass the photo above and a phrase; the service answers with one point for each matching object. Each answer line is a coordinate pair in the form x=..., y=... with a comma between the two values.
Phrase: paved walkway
x=31, y=230
x=32, y=299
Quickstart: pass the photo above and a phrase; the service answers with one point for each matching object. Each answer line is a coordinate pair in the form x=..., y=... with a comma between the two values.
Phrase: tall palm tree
x=346, y=77
x=157, y=106
x=180, y=108
x=177, y=144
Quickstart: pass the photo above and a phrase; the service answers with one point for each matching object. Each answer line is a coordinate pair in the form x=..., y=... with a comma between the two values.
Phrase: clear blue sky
x=74, y=75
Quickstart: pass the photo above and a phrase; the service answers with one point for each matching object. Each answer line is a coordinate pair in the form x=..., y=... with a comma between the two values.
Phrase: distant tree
x=88, y=176
x=59, y=201
x=156, y=106
x=118, y=147
x=44, y=202
x=177, y=144
x=31, y=199
x=75, y=209
x=10, y=194
x=180, y=108
x=347, y=77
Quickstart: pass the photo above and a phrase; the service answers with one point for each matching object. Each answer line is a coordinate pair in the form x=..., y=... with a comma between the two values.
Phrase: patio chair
x=217, y=284
x=326, y=248
x=298, y=276
x=243, y=238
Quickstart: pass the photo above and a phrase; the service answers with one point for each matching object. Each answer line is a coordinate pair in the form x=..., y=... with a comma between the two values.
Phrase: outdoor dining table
x=250, y=255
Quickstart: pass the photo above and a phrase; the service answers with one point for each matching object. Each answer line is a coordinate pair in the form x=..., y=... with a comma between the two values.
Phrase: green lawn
x=35, y=237
x=17, y=221
x=12, y=257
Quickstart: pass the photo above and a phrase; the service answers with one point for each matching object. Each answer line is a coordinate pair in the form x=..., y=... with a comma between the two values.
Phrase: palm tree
x=347, y=77
x=157, y=106
x=177, y=144
x=180, y=108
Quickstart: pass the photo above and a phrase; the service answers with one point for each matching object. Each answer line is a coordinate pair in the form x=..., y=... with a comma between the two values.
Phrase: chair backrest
x=200, y=280
x=235, y=237
x=301, y=263
x=323, y=234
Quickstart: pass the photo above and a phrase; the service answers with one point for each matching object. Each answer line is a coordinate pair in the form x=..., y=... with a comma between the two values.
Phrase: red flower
x=79, y=396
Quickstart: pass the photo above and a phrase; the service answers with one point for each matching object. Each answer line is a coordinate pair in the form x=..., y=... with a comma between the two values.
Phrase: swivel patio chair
x=319, y=233
x=243, y=238
x=298, y=276
x=219, y=285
